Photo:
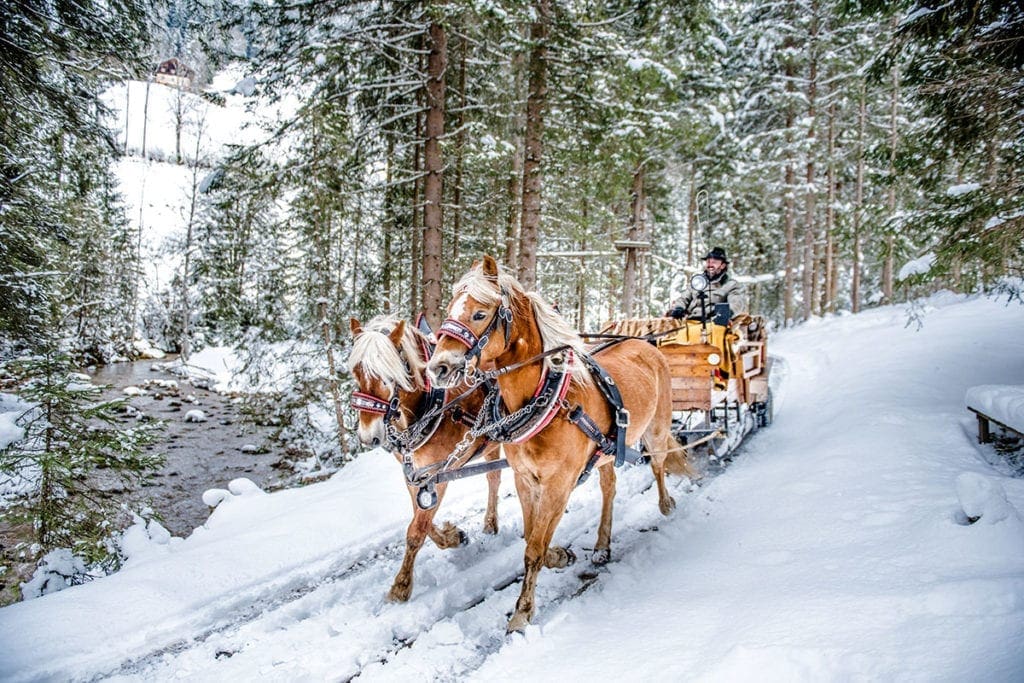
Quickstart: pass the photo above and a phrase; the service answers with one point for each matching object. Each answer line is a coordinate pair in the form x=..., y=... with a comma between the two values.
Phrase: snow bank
x=11, y=408
x=1001, y=402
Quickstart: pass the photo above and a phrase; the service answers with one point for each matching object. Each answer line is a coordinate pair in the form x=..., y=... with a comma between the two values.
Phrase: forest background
x=846, y=154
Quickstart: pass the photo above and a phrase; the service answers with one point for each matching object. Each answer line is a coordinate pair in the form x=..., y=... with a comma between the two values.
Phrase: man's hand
x=678, y=313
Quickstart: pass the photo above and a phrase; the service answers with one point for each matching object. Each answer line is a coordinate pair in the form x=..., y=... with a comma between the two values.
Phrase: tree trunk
x=631, y=274
x=536, y=99
x=186, y=346
x=789, y=210
x=890, y=240
x=858, y=200
x=809, y=282
x=460, y=148
x=389, y=229
x=332, y=382
x=433, y=185
x=691, y=215
x=415, y=252
x=829, y=301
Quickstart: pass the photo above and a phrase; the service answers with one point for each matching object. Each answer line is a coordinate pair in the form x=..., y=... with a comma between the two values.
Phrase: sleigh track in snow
x=483, y=558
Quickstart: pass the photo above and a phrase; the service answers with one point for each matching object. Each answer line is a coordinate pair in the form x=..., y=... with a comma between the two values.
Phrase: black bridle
x=459, y=331
x=429, y=412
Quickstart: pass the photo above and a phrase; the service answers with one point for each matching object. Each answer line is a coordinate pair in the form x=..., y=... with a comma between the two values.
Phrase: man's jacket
x=723, y=289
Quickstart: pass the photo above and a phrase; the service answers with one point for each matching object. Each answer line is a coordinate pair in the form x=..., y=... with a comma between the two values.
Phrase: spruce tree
x=71, y=443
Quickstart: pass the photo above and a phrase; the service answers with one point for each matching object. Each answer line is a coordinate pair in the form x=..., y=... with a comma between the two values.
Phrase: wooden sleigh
x=719, y=374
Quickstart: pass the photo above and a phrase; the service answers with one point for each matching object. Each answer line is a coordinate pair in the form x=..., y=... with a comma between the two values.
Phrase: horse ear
x=396, y=334
x=490, y=268
x=355, y=326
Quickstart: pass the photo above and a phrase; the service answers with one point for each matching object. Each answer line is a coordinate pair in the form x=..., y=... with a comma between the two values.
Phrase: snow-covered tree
x=54, y=475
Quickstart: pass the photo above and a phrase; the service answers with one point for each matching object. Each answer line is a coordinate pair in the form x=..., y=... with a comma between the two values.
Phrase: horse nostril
x=375, y=441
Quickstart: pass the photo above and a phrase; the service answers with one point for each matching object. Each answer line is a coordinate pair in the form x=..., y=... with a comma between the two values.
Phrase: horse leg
x=420, y=527
x=602, y=549
x=530, y=498
x=493, y=482
x=546, y=513
x=666, y=503
x=422, y=521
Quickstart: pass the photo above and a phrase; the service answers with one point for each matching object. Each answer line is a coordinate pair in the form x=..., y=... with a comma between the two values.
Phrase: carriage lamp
x=699, y=282
x=714, y=359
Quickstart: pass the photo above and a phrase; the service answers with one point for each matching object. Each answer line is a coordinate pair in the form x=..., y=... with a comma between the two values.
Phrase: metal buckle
x=426, y=497
x=622, y=418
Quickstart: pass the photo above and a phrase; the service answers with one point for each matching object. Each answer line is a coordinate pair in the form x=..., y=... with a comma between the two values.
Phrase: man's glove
x=678, y=313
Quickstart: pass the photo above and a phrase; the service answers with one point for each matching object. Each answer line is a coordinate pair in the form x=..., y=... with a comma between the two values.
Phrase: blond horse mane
x=554, y=330
x=373, y=350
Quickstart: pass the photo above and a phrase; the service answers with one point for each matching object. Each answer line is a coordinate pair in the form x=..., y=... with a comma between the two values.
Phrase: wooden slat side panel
x=692, y=404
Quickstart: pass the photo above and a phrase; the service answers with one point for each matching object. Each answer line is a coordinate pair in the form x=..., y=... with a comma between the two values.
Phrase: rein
x=652, y=337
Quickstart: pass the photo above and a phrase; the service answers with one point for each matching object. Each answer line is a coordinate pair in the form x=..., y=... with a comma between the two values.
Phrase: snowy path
x=835, y=547
x=460, y=604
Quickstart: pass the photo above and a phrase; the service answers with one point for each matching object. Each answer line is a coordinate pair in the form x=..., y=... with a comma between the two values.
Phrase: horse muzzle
x=371, y=435
x=446, y=369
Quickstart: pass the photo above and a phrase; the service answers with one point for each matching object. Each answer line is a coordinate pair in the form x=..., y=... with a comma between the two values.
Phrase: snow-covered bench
x=1002, y=404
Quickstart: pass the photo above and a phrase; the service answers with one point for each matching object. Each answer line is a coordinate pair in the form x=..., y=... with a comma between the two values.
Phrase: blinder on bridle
x=460, y=331
x=368, y=403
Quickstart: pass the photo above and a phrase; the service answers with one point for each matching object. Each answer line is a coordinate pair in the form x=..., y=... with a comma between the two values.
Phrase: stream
x=198, y=455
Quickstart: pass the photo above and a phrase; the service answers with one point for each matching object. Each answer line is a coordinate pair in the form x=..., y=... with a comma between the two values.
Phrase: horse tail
x=677, y=463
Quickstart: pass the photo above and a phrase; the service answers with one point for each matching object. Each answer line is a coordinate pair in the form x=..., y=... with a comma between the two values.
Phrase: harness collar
x=539, y=411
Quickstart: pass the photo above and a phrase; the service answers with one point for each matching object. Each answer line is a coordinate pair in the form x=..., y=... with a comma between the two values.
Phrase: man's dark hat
x=717, y=253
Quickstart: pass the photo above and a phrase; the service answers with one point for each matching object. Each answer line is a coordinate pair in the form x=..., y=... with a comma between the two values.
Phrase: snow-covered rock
x=983, y=499
x=195, y=415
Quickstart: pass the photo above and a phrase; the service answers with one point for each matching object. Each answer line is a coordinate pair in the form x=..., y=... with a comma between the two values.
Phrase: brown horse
x=388, y=360
x=493, y=323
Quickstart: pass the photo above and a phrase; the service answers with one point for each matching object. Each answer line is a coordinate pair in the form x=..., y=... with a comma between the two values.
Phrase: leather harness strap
x=605, y=443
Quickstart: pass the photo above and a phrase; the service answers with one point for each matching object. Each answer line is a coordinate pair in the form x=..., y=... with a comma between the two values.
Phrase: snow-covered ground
x=837, y=546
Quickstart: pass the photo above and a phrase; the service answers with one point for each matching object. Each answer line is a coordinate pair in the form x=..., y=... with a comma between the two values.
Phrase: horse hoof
x=397, y=594
x=491, y=528
x=601, y=557
x=518, y=623
x=667, y=506
x=570, y=557
x=463, y=538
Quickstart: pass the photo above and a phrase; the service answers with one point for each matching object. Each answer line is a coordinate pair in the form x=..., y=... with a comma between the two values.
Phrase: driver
x=722, y=288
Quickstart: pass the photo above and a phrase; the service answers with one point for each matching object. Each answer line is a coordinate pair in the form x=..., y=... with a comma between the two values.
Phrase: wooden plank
x=702, y=371
x=984, y=431
x=984, y=436
x=680, y=387
x=692, y=404
x=751, y=361
x=686, y=407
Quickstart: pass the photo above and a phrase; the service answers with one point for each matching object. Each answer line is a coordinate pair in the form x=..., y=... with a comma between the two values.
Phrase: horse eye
x=479, y=315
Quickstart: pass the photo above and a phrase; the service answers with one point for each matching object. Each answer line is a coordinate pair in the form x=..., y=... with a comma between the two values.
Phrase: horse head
x=387, y=361
x=479, y=325
x=493, y=320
